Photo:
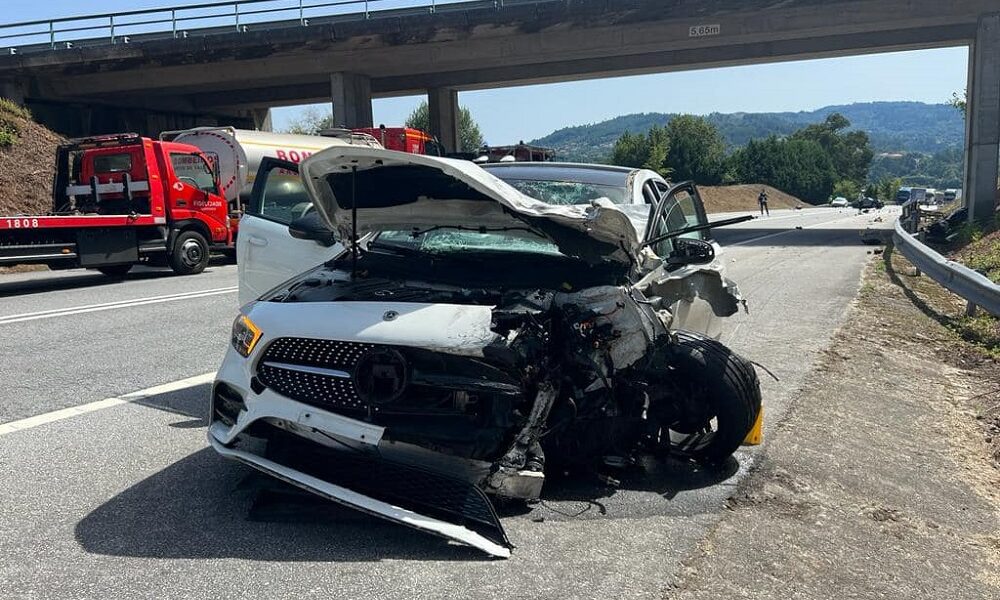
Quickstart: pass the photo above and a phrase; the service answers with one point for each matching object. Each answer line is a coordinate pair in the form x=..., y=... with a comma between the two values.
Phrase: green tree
x=850, y=151
x=643, y=151
x=696, y=150
x=470, y=138
x=961, y=103
x=311, y=122
x=800, y=167
x=846, y=188
x=887, y=188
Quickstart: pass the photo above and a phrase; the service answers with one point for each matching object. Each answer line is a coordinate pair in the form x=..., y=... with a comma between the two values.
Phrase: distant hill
x=892, y=127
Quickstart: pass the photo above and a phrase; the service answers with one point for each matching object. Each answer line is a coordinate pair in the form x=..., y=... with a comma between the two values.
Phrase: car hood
x=401, y=191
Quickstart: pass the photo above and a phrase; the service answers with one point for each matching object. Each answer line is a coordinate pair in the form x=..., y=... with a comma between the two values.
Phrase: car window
x=679, y=210
x=567, y=192
x=193, y=170
x=113, y=163
x=284, y=198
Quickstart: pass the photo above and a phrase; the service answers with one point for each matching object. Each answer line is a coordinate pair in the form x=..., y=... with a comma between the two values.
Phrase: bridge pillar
x=13, y=90
x=262, y=119
x=983, y=120
x=351, y=95
x=443, y=112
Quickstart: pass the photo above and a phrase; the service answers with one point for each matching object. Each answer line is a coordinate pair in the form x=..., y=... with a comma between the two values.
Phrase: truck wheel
x=189, y=255
x=116, y=271
x=719, y=399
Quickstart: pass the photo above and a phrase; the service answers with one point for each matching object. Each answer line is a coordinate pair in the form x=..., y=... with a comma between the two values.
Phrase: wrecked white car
x=469, y=340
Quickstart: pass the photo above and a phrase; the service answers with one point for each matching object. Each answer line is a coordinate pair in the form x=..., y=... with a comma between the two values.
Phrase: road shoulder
x=881, y=482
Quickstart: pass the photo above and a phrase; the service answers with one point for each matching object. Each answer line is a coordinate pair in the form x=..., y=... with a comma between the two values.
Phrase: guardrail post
x=52, y=35
x=173, y=22
x=433, y=5
x=302, y=19
x=236, y=11
x=366, y=10
x=971, y=309
x=111, y=19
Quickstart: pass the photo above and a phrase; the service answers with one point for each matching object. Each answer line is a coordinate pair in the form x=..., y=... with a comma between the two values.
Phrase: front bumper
x=344, y=460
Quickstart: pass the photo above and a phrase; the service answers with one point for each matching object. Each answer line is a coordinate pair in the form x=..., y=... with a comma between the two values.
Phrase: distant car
x=867, y=202
x=840, y=202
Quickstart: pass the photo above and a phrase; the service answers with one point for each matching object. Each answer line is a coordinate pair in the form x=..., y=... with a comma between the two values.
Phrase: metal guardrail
x=207, y=19
x=974, y=287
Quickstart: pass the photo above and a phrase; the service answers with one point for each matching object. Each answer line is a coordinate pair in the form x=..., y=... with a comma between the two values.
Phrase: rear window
x=113, y=163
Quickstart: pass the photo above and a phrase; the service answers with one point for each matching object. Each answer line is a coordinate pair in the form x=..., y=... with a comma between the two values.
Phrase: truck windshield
x=193, y=170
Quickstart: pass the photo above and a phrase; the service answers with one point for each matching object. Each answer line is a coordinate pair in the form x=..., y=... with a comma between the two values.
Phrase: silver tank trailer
x=239, y=152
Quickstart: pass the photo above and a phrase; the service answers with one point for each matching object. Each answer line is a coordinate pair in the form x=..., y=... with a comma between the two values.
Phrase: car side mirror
x=691, y=252
x=312, y=227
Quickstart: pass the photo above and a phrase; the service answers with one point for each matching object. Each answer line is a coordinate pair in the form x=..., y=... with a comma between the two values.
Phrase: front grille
x=314, y=371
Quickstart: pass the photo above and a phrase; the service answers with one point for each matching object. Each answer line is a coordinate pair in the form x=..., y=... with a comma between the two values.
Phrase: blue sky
x=512, y=114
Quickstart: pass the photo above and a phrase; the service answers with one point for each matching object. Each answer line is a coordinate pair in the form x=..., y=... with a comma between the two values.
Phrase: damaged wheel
x=717, y=399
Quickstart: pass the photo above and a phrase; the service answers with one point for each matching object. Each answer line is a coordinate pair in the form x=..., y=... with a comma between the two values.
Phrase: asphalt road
x=124, y=500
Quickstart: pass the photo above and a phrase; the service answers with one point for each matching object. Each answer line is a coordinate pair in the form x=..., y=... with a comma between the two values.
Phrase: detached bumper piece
x=425, y=500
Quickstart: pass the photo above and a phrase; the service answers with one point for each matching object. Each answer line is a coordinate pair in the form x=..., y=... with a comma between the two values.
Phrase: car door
x=266, y=254
x=696, y=293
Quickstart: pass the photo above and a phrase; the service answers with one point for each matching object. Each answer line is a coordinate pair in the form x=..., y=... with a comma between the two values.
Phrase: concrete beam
x=983, y=121
x=351, y=95
x=558, y=38
x=443, y=112
x=262, y=119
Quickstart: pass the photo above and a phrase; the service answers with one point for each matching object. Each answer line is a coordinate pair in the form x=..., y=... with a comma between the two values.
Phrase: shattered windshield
x=449, y=241
x=567, y=192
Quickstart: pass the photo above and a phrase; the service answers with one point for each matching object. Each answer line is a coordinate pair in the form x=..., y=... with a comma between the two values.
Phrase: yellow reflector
x=756, y=435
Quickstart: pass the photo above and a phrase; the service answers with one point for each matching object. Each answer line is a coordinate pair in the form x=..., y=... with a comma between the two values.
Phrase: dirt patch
x=733, y=198
x=26, y=162
x=883, y=481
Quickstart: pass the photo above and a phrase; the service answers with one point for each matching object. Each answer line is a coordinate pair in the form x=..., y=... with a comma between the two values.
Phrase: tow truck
x=120, y=200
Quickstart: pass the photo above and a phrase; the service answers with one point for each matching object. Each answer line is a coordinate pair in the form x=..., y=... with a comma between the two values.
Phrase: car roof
x=579, y=172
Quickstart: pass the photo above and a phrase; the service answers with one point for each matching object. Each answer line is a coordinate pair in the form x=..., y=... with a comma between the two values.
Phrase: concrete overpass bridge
x=233, y=61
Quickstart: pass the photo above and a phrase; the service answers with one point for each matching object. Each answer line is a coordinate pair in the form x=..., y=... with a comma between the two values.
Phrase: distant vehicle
x=868, y=202
x=518, y=153
x=919, y=194
x=403, y=139
x=931, y=196
x=839, y=202
x=951, y=194
x=903, y=195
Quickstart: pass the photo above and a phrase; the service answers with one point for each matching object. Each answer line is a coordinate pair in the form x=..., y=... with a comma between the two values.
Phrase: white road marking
x=77, y=310
x=73, y=411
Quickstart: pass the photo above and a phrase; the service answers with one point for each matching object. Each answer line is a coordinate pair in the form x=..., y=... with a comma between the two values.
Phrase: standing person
x=762, y=201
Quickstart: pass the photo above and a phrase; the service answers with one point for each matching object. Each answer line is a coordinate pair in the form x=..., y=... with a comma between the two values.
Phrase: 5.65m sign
x=704, y=30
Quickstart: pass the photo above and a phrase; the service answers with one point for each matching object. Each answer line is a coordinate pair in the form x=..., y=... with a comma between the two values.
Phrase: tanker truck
x=120, y=200
x=237, y=154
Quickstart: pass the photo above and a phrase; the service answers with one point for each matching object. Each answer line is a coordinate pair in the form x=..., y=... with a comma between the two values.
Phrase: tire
x=190, y=253
x=116, y=271
x=717, y=385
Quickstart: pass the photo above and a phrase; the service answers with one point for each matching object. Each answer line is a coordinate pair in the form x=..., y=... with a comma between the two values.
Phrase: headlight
x=245, y=335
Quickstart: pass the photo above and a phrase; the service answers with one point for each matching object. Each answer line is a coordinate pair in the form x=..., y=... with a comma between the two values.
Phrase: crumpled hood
x=401, y=191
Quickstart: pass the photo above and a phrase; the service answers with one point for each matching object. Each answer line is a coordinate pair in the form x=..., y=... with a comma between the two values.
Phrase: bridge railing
x=207, y=19
x=974, y=287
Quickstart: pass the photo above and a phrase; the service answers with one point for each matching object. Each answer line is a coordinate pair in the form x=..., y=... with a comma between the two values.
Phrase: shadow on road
x=762, y=236
x=203, y=507
x=80, y=278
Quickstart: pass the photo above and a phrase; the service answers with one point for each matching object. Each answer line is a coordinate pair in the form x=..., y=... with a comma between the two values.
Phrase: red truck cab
x=404, y=139
x=121, y=200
